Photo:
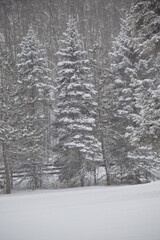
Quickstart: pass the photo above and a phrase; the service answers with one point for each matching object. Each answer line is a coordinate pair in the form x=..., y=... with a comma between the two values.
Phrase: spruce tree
x=119, y=99
x=146, y=28
x=144, y=132
x=78, y=146
x=33, y=106
x=8, y=130
x=135, y=74
x=99, y=67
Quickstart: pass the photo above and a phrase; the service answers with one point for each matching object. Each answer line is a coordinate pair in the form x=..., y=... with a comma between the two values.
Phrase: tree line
x=80, y=101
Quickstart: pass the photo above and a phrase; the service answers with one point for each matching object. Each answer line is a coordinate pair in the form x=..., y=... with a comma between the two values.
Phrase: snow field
x=95, y=213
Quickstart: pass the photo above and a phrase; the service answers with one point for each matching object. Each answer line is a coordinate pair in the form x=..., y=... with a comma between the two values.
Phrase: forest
x=79, y=93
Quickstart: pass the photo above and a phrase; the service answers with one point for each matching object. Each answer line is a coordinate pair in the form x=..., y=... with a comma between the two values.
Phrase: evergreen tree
x=7, y=120
x=144, y=132
x=146, y=28
x=133, y=69
x=99, y=67
x=119, y=99
x=76, y=112
x=33, y=106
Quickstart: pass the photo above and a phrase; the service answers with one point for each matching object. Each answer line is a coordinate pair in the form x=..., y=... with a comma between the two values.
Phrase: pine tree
x=33, y=106
x=8, y=130
x=119, y=99
x=133, y=67
x=148, y=60
x=76, y=112
x=144, y=132
x=99, y=68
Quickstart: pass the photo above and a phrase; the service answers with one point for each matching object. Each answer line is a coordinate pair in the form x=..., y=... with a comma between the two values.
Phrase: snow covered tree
x=148, y=62
x=99, y=67
x=119, y=98
x=78, y=147
x=7, y=127
x=122, y=58
x=33, y=106
x=134, y=73
x=144, y=132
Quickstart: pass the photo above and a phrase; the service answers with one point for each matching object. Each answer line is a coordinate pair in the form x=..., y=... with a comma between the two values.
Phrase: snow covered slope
x=96, y=213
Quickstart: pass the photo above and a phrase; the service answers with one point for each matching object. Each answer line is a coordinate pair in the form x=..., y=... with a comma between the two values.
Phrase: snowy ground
x=96, y=213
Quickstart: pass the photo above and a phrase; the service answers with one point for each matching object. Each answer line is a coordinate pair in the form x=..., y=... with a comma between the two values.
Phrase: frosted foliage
x=122, y=70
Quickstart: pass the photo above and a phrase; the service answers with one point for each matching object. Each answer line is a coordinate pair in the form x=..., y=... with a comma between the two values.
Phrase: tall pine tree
x=8, y=129
x=33, y=106
x=146, y=42
x=76, y=112
x=119, y=99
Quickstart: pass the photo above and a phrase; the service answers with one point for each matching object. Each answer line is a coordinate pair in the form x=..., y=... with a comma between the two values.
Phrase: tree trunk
x=106, y=164
x=6, y=167
x=95, y=176
x=108, y=178
x=82, y=180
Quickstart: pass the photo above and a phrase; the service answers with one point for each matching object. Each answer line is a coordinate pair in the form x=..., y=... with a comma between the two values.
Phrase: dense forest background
x=96, y=20
x=121, y=43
